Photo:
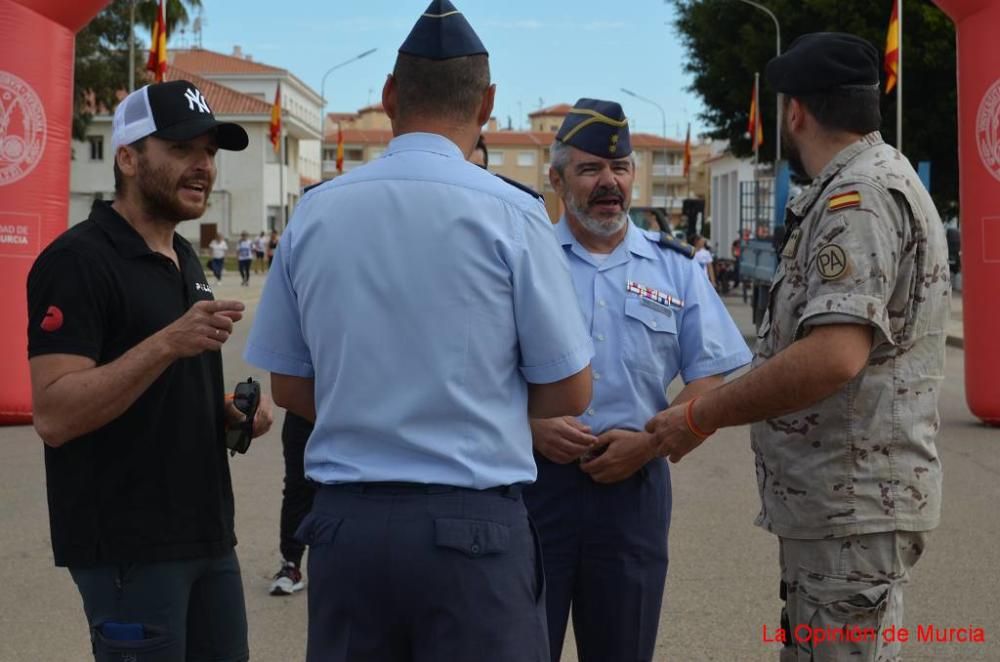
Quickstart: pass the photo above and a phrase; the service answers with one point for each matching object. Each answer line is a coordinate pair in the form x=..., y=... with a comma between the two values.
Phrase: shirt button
x=652, y=323
x=474, y=549
x=597, y=376
x=600, y=336
x=590, y=412
x=602, y=303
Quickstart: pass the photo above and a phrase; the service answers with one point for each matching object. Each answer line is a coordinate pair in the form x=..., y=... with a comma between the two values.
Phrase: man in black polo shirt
x=124, y=338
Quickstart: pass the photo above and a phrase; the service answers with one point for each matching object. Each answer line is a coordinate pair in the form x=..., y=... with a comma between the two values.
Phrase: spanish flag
x=687, y=153
x=754, y=127
x=276, y=121
x=892, y=49
x=157, y=61
x=340, y=149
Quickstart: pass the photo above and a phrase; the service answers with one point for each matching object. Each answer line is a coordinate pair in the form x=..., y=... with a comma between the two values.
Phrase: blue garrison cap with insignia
x=597, y=127
x=442, y=33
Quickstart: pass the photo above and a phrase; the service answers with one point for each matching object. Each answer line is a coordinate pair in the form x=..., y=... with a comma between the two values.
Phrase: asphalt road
x=721, y=586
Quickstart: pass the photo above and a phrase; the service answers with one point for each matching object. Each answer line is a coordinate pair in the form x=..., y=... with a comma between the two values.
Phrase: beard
x=160, y=193
x=792, y=152
x=598, y=226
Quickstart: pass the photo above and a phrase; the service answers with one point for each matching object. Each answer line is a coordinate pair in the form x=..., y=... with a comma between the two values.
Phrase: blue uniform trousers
x=400, y=572
x=605, y=554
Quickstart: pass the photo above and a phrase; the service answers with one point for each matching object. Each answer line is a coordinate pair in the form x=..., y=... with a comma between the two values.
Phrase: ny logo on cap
x=195, y=97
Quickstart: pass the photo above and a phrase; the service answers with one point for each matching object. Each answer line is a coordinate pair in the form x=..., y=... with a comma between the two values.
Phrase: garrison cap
x=442, y=33
x=597, y=127
x=824, y=61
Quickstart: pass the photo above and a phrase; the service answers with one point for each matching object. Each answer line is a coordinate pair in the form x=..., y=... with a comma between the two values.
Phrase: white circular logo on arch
x=22, y=128
x=988, y=129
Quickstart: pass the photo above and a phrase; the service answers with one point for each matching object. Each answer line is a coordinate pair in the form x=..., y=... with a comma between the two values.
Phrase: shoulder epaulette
x=682, y=247
x=527, y=189
x=312, y=186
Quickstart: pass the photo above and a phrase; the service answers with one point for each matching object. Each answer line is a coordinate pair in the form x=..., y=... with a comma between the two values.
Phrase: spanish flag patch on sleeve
x=844, y=201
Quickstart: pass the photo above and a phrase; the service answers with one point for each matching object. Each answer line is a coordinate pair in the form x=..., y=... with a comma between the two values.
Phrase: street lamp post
x=322, y=94
x=777, y=33
x=663, y=116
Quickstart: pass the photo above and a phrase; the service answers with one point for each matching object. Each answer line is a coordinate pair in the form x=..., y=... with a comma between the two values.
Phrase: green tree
x=176, y=13
x=102, y=47
x=727, y=41
x=101, y=66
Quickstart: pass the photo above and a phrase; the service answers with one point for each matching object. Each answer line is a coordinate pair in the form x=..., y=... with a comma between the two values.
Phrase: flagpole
x=899, y=76
x=131, y=46
x=756, y=121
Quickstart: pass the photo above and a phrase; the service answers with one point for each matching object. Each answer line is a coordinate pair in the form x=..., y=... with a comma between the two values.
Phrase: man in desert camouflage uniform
x=844, y=389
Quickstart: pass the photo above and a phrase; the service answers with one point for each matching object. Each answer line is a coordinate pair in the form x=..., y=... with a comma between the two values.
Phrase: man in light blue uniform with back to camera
x=602, y=499
x=419, y=309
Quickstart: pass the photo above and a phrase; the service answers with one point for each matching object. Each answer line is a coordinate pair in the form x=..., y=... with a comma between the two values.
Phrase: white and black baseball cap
x=173, y=111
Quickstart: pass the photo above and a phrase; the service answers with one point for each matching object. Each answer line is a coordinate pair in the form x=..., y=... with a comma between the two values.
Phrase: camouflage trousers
x=844, y=596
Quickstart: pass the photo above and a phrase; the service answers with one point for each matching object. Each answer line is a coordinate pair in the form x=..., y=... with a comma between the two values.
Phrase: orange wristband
x=689, y=419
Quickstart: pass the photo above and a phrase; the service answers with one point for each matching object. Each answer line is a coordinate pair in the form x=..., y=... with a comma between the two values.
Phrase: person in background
x=296, y=502
x=272, y=246
x=244, y=256
x=218, y=248
x=480, y=156
x=703, y=256
x=259, y=252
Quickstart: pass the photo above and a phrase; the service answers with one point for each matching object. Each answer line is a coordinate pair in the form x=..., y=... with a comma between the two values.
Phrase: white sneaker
x=288, y=579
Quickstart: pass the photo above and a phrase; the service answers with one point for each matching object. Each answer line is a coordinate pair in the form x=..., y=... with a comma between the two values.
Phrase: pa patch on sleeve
x=832, y=263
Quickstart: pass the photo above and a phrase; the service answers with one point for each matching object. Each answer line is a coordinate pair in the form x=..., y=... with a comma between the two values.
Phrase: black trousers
x=408, y=573
x=297, y=495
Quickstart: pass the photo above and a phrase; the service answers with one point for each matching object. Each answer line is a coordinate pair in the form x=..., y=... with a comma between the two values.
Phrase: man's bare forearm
x=806, y=372
x=84, y=400
x=697, y=388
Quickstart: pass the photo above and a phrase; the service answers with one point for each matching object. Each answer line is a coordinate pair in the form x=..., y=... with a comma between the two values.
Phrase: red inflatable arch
x=36, y=84
x=976, y=23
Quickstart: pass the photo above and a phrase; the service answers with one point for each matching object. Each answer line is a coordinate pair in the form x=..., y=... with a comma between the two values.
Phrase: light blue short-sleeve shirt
x=652, y=315
x=422, y=294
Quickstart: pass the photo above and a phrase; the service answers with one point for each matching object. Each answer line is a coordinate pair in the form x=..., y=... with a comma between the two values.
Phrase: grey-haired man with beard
x=602, y=499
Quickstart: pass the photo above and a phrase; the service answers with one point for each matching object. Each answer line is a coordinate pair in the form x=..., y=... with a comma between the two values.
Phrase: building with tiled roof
x=255, y=190
x=524, y=156
x=210, y=62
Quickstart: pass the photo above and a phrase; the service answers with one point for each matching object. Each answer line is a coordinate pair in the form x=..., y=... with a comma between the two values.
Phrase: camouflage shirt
x=864, y=244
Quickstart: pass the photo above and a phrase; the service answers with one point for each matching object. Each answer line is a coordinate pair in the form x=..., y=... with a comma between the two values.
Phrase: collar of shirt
x=801, y=204
x=634, y=243
x=126, y=240
x=424, y=142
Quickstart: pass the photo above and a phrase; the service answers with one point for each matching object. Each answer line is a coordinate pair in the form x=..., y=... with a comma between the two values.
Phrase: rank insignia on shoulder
x=844, y=201
x=682, y=247
x=518, y=185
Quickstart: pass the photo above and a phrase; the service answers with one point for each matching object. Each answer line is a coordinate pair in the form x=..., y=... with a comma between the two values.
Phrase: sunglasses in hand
x=246, y=399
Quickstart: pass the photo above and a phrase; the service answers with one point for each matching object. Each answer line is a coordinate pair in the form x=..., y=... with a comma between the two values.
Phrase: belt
x=394, y=487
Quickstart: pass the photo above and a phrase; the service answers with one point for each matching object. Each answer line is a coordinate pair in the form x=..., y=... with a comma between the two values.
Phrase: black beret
x=442, y=33
x=824, y=61
x=597, y=127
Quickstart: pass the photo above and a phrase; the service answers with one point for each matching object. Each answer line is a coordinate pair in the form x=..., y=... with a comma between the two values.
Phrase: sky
x=542, y=52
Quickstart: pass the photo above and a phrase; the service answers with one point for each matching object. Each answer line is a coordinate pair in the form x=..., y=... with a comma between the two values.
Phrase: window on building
x=329, y=153
x=96, y=147
x=525, y=158
x=636, y=193
x=354, y=154
x=496, y=158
